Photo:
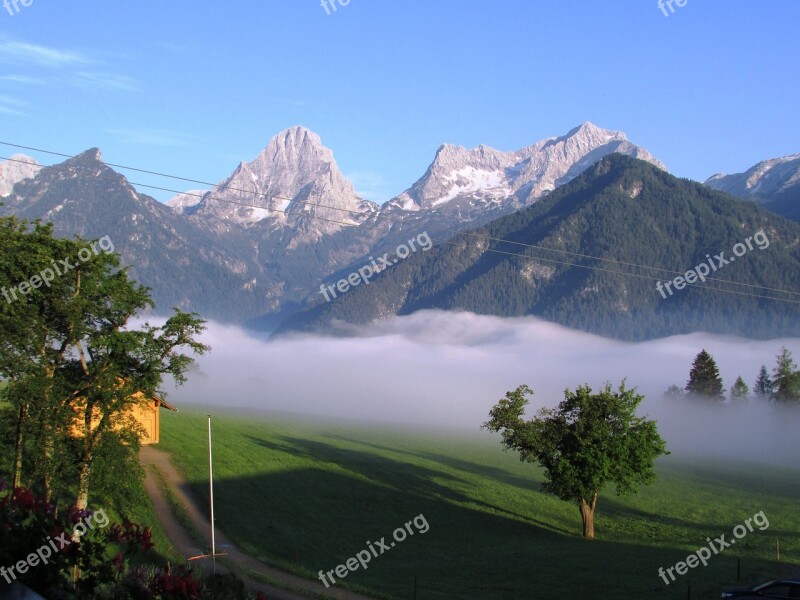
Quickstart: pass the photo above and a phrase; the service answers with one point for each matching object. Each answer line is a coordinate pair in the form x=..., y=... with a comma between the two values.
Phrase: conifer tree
x=764, y=385
x=740, y=391
x=787, y=378
x=704, y=379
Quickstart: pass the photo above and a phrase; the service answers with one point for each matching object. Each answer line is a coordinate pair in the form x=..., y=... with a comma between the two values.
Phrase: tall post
x=211, y=496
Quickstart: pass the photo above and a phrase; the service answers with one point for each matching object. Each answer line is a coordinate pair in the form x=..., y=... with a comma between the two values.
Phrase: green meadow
x=306, y=495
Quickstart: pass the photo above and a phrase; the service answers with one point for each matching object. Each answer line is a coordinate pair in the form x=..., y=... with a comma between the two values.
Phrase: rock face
x=775, y=183
x=590, y=257
x=15, y=170
x=295, y=183
x=484, y=177
x=186, y=265
x=281, y=186
x=764, y=180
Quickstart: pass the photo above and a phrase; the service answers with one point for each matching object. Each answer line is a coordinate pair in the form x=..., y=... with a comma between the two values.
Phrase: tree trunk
x=47, y=453
x=587, y=514
x=90, y=441
x=48, y=443
x=83, y=483
x=18, y=446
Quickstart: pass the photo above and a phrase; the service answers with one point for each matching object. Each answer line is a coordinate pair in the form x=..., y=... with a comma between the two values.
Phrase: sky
x=192, y=88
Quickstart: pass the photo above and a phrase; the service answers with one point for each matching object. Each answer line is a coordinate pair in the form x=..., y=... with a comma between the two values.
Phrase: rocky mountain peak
x=294, y=182
x=771, y=177
x=476, y=180
x=92, y=155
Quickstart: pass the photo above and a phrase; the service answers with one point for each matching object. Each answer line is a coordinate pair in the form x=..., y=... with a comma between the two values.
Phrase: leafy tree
x=786, y=379
x=740, y=391
x=117, y=369
x=32, y=331
x=764, y=385
x=75, y=367
x=704, y=379
x=588, y=442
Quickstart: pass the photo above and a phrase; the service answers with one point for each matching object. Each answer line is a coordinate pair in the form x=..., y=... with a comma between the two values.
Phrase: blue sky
x=194, y=87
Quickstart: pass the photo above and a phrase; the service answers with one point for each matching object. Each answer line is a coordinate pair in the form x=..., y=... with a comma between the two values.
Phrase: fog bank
x=448, y=369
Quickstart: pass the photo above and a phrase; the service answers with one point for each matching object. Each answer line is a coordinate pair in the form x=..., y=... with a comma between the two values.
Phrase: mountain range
x=255, y=248
x=590, y=255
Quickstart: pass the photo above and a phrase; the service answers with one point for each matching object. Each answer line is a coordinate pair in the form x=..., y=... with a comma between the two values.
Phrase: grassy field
x=307, y=496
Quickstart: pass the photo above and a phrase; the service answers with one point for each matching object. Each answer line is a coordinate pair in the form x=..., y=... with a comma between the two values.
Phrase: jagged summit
x=481, y=176
x=90, y=155
x=774, y=183
x=768, y=178
x=285, y=184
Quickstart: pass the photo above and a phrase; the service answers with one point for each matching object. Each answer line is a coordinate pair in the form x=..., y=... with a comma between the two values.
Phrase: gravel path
x=153, y=459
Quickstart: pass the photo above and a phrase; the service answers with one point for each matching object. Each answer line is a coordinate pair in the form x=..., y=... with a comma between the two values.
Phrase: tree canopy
x=764, y=384
x=75, y=366
x=590, y=441
x=704, y=379
x=786, y=380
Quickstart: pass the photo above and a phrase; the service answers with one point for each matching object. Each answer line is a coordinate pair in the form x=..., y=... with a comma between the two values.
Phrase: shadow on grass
x=493, y=473
x=312, y=519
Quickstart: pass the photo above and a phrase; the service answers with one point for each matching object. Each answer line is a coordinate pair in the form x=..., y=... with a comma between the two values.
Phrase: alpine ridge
x=775, y=183
x=280, y=225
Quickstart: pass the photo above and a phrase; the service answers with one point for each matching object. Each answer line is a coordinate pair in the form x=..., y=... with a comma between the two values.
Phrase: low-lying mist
x=448, y=369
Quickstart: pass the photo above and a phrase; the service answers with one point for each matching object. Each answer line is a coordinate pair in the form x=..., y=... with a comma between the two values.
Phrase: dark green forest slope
x=622, y=210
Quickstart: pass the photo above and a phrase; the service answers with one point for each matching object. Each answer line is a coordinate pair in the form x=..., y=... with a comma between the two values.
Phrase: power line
x=168, y=176
x=526, y=257
x=646, y=277
x=630, y=264
x=467, y=233
x=348, y=224
x=287, y=213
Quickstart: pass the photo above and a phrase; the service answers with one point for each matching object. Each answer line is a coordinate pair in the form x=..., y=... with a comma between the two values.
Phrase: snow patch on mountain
x=768, y=178
x=480, y=175
x=16, y=169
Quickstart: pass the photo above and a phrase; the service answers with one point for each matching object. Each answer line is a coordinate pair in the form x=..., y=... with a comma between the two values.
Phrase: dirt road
x=153, y=459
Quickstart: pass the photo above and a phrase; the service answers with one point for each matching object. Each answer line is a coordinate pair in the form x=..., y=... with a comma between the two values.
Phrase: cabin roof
x=165, y=404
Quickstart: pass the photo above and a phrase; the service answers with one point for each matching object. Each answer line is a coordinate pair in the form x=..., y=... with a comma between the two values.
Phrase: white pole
x=211, y=493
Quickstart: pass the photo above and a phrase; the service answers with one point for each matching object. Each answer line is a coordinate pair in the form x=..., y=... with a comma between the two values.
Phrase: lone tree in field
x=704, y=379
x=588, y=442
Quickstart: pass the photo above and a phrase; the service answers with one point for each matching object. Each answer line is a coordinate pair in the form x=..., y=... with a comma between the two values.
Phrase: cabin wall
x=148, y=417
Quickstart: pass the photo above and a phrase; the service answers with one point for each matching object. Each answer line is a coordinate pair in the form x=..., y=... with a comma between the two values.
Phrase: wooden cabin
x=144, y=412
x=147, y=415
